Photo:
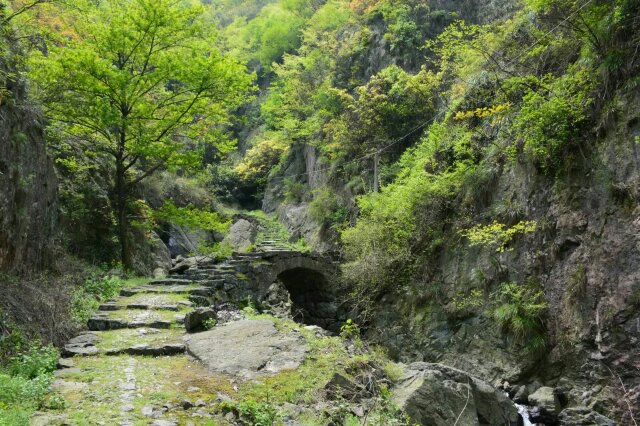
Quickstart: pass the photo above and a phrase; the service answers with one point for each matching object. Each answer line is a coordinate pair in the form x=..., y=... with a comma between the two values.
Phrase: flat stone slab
x=172, y=281
x=169, y=289
x=248, y=349
x=148, y=350
x=140, y=306
x=102, y=323
x=82, y=345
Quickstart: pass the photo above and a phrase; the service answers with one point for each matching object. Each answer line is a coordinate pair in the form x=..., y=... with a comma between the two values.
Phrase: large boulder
x=436, y=395
x=150, y=256
x=247, y=349
x=183, y=241
x=195, y=320
x=583, y=416
x=242, y=235
x=546, y=405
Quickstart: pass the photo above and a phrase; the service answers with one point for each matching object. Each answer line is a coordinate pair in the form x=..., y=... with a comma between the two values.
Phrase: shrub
x=192, y=217
x=520, y=310
x=350, y=330
x=25, y=382
x=209, y=323
x=327, y=208
x=295, y=192
x=258, y=413
x=217, y=251
x=550, y=120
x=497, y=235
x=35, y=361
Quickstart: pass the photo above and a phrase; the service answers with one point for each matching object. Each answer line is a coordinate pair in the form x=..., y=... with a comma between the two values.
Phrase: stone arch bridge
x=273, y=277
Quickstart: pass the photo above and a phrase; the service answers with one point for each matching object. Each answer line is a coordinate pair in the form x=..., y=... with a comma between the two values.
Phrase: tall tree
x=143, y=83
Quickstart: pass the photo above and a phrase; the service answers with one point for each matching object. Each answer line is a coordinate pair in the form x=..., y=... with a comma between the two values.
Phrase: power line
x=441, y=113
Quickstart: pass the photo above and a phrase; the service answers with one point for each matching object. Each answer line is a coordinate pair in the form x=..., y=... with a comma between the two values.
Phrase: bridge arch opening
x=312, y=300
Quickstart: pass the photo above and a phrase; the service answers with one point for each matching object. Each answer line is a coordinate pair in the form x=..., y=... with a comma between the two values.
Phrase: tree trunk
x=121, y=195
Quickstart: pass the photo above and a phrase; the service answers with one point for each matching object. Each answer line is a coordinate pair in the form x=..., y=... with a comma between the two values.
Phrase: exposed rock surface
x=151, y=256
x=546, y=403
x=436, y=395
x=181, y=240
x=247, y=349
x=28, y=185
x=195, y=320
x=583, y=416
x=242, y=234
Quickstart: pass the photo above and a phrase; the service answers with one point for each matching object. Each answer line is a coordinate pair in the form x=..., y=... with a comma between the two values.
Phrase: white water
x=522, y=410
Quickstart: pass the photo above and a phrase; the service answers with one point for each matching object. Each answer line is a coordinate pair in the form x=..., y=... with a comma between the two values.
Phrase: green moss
x=129, y=337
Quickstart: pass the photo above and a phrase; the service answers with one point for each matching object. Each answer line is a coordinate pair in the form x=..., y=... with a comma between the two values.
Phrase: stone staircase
x=153, y=314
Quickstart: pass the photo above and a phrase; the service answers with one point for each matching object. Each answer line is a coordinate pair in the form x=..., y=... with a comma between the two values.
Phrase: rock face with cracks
x=248, y=349
x=436, y=395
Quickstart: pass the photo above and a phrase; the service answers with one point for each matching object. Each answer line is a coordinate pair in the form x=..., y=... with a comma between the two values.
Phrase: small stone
x=128, y=386
x=147, y=411
x=65, y=363
x=193, y=389
x=223, y=397
x=230, y=416
x=162, y=422
x=200, y=403
x=358, y=411
x=126, y=408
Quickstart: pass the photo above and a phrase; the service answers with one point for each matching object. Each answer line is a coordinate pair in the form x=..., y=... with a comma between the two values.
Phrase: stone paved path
x=131, y=366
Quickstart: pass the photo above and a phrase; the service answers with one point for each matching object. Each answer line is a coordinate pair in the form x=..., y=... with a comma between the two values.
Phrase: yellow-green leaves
x=497, y=235
x=192, y=217
x=144, y=78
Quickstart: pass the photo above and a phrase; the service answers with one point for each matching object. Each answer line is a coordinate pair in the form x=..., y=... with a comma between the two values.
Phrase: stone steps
x=112, y=306
x=161, y=289
x=173, y=281
x=166, y=349
x=87, y=345
x=99, y=323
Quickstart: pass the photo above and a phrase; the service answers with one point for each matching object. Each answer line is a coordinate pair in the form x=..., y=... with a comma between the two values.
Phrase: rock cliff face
x=585, y=256
x=28, y=185
x=304, y=163
x=305, y=167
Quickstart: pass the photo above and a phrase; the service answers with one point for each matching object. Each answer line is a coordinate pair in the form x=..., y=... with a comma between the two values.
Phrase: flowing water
x=524, y=413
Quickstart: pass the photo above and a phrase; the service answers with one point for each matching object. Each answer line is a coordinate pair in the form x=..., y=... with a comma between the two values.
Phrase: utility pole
x=376, y=163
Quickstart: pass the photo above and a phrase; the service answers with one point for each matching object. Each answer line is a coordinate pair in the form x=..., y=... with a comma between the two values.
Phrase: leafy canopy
x=142, y=81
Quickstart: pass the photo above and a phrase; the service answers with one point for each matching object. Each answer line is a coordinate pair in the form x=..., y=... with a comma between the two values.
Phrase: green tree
x=143, y=84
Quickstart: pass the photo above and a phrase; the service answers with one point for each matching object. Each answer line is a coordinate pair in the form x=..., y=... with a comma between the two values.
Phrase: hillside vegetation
x=473, y=165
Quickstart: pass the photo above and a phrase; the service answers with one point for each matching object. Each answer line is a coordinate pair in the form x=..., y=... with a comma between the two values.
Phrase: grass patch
x=131, y=315
x=25, y=377
x=96, y=290
x=128, y=337
x=152, y=299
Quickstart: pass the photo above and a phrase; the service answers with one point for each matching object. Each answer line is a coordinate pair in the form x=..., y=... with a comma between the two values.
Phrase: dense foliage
x=142, y=86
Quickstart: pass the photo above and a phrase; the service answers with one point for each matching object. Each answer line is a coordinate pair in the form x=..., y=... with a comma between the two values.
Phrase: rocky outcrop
x=196, y=319
x=436, y=395
x=303, y=163
x=585, y=259
x=150, y=255
x=242, y=234
x=546, y=405
x=248, y=349
x=182, y=241
x=28, y=185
